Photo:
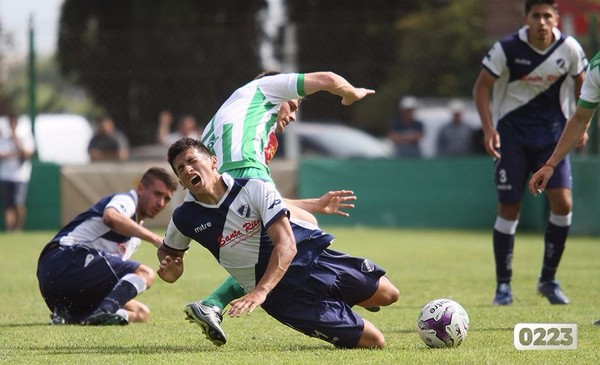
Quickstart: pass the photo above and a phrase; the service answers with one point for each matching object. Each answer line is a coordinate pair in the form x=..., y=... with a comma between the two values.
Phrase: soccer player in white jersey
x=85, y=273
x=242, y=136
x=576, y=128
x=529, y=72
x=284, y=264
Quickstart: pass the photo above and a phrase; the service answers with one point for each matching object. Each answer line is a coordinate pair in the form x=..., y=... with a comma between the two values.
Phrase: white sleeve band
x=505, y=226
x=136, y=281
x=561, y=220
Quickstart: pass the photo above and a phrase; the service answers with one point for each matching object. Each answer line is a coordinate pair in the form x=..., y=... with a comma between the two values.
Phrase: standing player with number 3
x=528, y=73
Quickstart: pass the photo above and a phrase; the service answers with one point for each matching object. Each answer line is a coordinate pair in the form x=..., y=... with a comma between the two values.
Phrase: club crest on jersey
x=244, y=211
x=276, y=202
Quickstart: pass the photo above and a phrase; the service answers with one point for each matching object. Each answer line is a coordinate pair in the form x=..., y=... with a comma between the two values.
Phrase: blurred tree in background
x=438, y=54
x=136, y=58
x=139, y=57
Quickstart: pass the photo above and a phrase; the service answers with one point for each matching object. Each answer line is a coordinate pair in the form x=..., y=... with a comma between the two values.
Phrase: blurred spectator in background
x=455, y=137
x=108, y=143
x=16, y=149
x=406, y=131
x=186, y=127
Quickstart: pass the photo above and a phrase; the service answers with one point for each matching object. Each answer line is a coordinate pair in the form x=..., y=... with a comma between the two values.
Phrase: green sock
x=229, y=290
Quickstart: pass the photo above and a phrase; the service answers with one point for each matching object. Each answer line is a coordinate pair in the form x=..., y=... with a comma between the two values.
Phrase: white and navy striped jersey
x=590, y=91
x=235, y=231
x=239, y=131
x=533, y=95
x=87, y=228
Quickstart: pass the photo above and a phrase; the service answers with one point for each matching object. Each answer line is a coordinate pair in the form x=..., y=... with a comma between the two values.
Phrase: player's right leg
x=504, y=241
x=207, y=313
x=510, y=175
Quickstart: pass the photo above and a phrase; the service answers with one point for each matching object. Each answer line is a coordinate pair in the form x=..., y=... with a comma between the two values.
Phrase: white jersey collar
x=524, y=38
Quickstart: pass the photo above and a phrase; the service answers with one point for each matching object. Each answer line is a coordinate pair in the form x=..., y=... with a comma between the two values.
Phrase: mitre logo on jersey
x=244, y=211
x=202, y=227
x=522, y=61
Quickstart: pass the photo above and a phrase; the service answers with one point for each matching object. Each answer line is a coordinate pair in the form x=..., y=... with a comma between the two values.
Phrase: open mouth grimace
x=195, y=180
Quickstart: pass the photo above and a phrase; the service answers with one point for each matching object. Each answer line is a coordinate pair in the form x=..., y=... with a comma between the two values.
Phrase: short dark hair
x=158, y=173
x=530, y=3
x=183, y=144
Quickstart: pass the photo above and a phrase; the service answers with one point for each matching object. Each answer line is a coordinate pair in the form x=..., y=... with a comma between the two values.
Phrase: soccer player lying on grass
x=284, y=264
x=85, y=274
x=242, y=136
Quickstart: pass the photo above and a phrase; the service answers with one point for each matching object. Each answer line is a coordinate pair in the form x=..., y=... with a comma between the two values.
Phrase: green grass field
x=424, y=265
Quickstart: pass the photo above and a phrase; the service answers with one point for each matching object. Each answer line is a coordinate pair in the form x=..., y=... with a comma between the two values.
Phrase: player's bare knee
x=143, y=314
x=147, y=274
x=388, y=293
x=371, y=337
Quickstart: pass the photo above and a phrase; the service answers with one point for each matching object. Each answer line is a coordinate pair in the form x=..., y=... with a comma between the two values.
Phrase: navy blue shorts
x=323, y=307
x=513, y=170
x=74, y=280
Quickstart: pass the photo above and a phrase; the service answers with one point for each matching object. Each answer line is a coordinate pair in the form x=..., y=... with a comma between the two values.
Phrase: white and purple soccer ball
x=443, y=323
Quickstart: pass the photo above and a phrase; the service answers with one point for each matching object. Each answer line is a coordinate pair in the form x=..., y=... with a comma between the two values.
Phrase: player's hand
x=491, y=142
x=356, y=95
x=539, y=179
x=170, y=269
x=583, y=140
x=333, y=201
x=247, y=303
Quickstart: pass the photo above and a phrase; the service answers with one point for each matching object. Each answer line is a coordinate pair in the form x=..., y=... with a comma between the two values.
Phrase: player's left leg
x=134, y=279
x=555, y=237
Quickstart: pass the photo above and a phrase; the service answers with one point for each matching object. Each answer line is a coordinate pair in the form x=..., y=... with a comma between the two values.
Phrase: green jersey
x=590, y=91
x=240, y=131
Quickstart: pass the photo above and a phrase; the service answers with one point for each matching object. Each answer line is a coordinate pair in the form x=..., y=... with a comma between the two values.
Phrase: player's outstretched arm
x=331, y=202
x=334, y=84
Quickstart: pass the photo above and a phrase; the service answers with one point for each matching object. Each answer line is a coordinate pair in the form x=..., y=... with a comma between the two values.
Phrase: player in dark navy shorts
x=78, y=278
x=85, y=273
x=530, y=74
x=284, y=264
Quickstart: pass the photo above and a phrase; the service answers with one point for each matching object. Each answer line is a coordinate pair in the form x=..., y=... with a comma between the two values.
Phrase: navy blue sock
x=503, y=254
x=123, y=292
x=554, y=246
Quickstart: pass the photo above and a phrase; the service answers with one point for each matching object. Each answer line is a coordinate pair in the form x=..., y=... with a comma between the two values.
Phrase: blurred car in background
x=60, y=138
x=434, y=113
x=306, y=138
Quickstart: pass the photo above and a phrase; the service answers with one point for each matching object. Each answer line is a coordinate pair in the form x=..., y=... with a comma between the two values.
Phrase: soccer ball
x=443, y=323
